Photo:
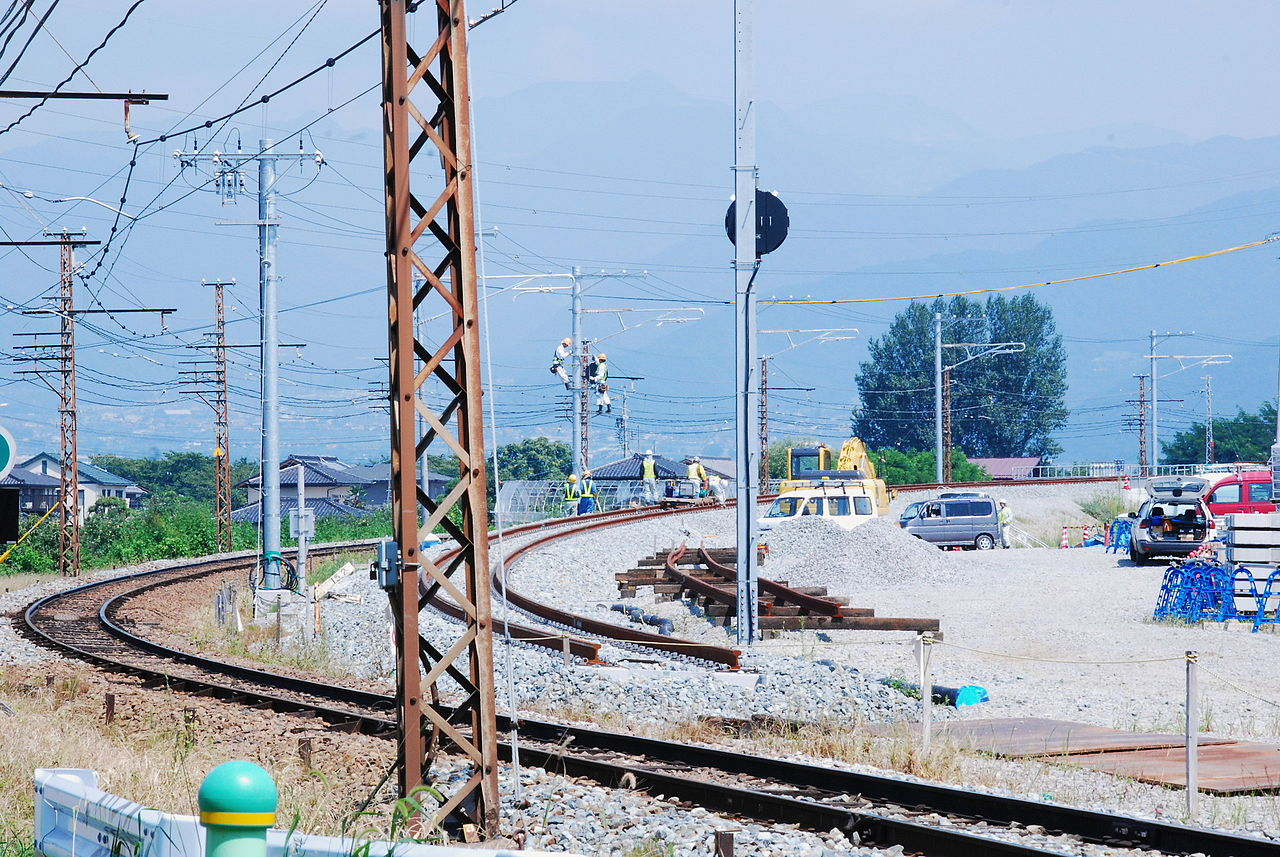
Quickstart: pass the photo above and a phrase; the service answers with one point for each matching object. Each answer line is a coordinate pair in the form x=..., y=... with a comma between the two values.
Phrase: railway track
x=86, y=622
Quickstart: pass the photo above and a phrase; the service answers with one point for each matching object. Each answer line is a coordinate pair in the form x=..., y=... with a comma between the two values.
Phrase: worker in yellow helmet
x=697, y=474
x=599, y=374
x=563, y=352
x=571, y=496
x=649, y=472
x=586, y=494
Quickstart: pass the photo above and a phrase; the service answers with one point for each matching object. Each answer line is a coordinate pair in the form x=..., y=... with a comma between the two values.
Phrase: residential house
x=94, y=481
x=331, y=486
x=37, y=493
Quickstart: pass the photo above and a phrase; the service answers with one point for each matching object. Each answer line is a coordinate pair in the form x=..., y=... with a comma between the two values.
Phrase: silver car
x=1173, y=521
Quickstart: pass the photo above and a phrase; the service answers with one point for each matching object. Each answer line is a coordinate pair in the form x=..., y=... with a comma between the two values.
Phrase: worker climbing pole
x=431, y=238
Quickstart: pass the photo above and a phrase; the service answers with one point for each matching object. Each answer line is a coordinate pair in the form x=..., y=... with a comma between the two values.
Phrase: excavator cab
x=819, y=466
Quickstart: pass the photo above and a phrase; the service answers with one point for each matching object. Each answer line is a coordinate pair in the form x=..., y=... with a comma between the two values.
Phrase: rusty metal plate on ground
x=1223, y=769
x=1040, y=736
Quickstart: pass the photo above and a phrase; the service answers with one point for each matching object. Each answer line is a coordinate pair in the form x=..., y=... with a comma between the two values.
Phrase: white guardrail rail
x=74, y=818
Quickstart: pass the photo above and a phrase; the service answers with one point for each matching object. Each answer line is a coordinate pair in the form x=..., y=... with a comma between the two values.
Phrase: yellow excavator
x=819, y=467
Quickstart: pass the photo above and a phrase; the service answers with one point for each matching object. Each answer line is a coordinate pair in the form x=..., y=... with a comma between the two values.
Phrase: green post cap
x=238, y=794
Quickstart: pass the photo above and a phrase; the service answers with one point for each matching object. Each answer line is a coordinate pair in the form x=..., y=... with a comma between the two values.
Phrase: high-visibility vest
x=587, y=488
x=571, y=491
x=649, y=468
x=696, y=471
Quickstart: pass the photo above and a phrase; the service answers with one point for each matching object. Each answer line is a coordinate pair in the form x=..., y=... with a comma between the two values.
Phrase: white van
x=846, y=508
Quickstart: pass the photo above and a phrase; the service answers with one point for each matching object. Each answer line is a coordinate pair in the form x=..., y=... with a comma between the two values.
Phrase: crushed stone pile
x=877, y=554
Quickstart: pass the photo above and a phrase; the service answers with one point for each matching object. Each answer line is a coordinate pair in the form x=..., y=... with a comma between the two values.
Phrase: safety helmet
x=586, y=474
x=573, y=478
x=601, y=358
x=566, y=341
x=697, y=458
x=648, y=452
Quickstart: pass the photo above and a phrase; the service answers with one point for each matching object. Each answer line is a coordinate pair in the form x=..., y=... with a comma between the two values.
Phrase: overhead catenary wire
x=1199, y=256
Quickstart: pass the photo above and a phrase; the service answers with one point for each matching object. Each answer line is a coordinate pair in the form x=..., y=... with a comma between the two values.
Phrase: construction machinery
x=819, y=467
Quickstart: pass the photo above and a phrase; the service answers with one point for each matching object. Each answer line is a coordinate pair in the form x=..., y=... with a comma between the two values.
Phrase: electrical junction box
x=308, y=527
x=386, y=568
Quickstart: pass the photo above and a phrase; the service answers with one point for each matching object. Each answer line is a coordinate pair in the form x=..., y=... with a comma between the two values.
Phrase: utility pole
x=1155, y=394
x=937, y=397
x=229, y=181
x=1209, y=452
x=582, y=403
x=822, y=336
x=942, y=387
x=623, y=425
x=64, y=354
x=946, y=425
x=303, y=532
x=764, y=422
x=1142, y=424
x=208, y=382
x=746, y=264
x=426, y=118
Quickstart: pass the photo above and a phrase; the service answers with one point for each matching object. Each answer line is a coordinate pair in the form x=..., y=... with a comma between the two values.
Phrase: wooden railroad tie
x=707, y=578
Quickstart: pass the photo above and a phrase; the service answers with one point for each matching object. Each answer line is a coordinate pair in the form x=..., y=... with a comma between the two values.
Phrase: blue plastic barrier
x=1203, y=590
x=1118, y=538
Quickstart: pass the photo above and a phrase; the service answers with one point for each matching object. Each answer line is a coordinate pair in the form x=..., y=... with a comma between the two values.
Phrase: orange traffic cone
x=1064, y=543
x=1126, y=482
x=1088, y=534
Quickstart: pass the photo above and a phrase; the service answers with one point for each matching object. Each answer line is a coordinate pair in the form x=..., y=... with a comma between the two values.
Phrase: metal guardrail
x=74, y=818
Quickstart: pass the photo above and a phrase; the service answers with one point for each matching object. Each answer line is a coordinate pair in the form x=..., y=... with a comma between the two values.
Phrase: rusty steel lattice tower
x=426, y=119
x=69, y=472
x=208, y=382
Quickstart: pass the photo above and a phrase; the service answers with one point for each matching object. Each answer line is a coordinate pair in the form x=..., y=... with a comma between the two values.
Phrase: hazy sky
x=952, y=75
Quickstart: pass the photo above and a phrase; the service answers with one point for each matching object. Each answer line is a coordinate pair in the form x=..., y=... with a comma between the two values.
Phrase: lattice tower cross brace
x=69, y=471
x=946, y=426
x=434, y=236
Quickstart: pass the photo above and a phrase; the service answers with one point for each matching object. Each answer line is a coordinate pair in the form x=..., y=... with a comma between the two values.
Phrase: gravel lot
x=1024, y=611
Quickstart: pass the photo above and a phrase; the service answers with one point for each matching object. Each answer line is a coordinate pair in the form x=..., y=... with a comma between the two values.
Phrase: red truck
x=1248, y=491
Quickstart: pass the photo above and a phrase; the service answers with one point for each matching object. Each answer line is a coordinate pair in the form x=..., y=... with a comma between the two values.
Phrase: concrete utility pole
x=228, y=180
x=303, y=533
x=746, y=263
x=64, y=355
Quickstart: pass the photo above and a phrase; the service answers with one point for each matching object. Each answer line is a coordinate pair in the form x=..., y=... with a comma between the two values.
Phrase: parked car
x=1174, y=520
x=949, y=521
x=1248, y=491
x=846, y=507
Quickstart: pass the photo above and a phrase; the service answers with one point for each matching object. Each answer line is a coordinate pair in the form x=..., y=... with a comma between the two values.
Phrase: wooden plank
x=1223, y=768
x=880, y=623
x=1041, y=736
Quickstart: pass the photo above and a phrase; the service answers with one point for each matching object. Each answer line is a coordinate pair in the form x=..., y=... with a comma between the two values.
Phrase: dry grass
x=157, y=754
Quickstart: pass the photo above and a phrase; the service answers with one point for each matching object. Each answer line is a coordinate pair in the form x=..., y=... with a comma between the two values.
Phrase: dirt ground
x=1016, y=616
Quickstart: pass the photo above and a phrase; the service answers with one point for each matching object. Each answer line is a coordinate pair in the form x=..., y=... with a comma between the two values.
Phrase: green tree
x=778, y=454
x=1001, y=405
x=896, y=467
x=1244, y=437
x=534, y=458
x=188, y=475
